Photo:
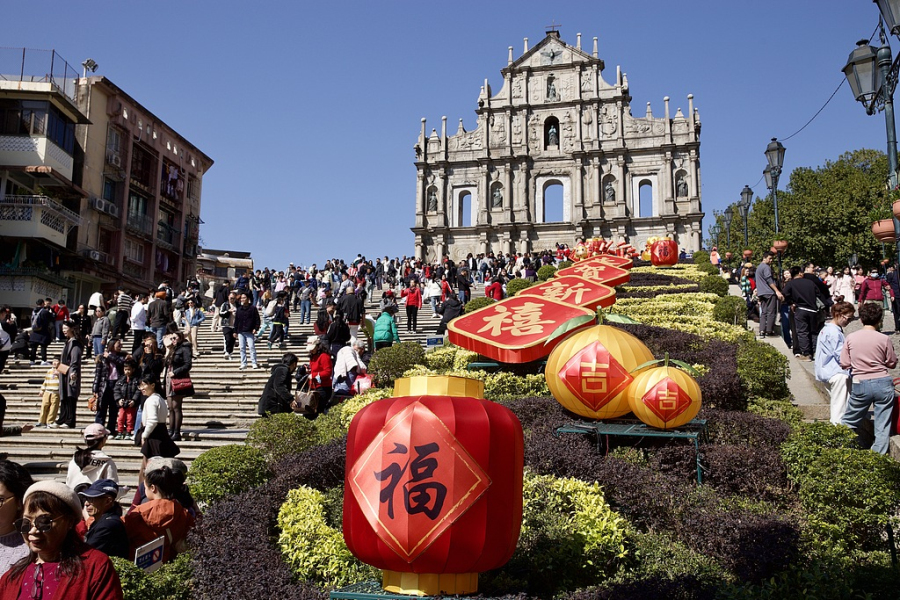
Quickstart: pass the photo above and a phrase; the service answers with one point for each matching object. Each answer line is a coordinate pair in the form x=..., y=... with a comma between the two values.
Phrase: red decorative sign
x=598, y=271
x=622, y=262
x=666, y=399
x=594, y=376
x=414, y=480
x=514, y=330
x=574, y=290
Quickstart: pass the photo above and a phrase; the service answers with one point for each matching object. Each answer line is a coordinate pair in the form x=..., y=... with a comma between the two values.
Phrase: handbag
x=139, y=436
x=362, y=384
x=182, y=386
x=92, y=403
x=306, y=402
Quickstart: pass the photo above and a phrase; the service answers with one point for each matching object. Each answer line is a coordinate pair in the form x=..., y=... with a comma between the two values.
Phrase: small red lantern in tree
x=433, y=490
x=664, y=253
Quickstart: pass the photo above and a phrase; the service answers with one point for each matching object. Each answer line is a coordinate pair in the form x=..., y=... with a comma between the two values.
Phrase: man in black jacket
x=801, y=293
x=354, y=308
x=246, y=324
x=276, y=397
x=107, y=532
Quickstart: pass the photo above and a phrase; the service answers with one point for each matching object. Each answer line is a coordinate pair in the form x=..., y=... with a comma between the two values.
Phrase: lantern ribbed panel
x=645, y=381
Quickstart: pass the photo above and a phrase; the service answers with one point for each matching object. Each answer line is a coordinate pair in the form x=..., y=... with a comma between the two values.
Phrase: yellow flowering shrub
x=687, y=271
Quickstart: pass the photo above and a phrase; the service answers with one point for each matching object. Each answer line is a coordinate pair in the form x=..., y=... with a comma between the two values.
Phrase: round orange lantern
x=664, y=397
x=664, y=253
x=589, y=372
x=884, y=230
x=433, y=486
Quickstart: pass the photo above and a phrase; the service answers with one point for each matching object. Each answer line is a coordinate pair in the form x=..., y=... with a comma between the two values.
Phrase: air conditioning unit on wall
x=112, y=210
x=98, y=204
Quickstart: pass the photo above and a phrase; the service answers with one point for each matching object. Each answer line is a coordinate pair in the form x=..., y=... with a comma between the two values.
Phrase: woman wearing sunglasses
x=58, y=564
x=14, y=481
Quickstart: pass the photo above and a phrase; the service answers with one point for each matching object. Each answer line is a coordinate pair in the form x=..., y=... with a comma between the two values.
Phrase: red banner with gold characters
x=513, y=330
x=574, y=290
x=598, y=270
x=433, y=485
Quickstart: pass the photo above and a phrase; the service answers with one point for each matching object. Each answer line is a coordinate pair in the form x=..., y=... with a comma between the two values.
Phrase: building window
x=134, y=251
x=110, y=191
x=137, y=205
x=172, y=183
x=143, y=167
x=193, y=188
x=31, y=117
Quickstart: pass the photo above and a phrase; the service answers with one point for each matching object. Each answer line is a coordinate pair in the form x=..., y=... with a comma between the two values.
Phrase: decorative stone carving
x=609, y=192
x=681, y=187
x=609, y=120
x=552, y=95
x=432, y=200
x=551, y=55
x=497, y=197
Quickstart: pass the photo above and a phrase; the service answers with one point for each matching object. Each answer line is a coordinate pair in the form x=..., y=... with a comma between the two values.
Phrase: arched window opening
x=553, y=202
x=464, y=217
x=646, y=199
x=551, y=133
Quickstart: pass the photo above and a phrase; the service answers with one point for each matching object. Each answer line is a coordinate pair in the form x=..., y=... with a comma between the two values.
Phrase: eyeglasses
x=43, y=524
x=3, y=500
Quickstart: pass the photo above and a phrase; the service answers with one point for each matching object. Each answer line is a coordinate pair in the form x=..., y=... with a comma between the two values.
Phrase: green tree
x=825, y=213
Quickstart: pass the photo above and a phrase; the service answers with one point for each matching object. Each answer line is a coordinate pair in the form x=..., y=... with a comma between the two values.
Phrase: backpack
x=270, y=309
x=279, y=313
x=5, y=341
x=37, y=321
x=224, y=310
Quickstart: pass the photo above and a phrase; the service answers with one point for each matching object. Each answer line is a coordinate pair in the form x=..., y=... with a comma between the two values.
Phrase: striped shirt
x=124, y=302
x=51, y=382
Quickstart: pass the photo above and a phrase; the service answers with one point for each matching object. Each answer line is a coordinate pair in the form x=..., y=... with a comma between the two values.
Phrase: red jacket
x=873, y=289
x=321, y=366
x=157, y=518
x=98, y=580
x=413, y=297
x=494, y=290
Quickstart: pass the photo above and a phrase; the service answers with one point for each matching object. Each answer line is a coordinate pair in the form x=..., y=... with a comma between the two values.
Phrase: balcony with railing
x=168, y=237
x=139, y=224
x=24, y=286
x=36, y=217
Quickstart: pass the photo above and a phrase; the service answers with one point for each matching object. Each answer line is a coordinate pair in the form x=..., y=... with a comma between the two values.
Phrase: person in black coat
x=338, y=335
x=449, y=309
x=107, y=531
x=42, y=323
x=178, y=366
x=276, y=397
x=106, y=374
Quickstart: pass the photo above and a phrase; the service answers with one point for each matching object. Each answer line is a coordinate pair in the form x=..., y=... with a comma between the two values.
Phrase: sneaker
x=119, y=436
x=242, y=367
x=130, y=436
x=52, y=426
x=40, y=425
x=270, y=345
x=227, y=356
x=255, y=366
x=45, y=363
x=65, y=426
x=804, y=359
x=32, y=362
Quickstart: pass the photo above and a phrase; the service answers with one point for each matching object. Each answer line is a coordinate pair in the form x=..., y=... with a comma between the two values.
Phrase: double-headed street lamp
x=873, y=77
x=715, y=230
x=744, y=207
x=775, y=157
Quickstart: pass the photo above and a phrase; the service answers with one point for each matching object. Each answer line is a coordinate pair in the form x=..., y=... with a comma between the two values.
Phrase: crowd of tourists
x=813, y=305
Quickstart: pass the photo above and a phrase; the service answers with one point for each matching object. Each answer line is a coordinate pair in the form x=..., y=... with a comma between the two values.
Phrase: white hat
x=59, y=490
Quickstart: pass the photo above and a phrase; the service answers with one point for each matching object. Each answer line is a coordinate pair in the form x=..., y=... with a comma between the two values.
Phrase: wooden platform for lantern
x=694, y=431
x=372, y=590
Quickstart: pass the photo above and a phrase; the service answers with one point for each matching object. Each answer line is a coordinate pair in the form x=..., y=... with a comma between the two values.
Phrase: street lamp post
x=744, y=207
x=873, y=78
x=775, y=157
x=729, y=215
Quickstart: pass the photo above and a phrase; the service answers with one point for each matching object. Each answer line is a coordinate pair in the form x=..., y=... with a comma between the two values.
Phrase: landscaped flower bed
x=787, y=510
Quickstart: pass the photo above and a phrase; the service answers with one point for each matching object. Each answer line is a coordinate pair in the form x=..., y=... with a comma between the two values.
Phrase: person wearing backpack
x=280, y=321
x=226, y=320
x=41, y=332
x=8, y=331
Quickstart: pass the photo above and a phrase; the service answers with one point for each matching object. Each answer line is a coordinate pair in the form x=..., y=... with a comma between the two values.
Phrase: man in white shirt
x=138, y=320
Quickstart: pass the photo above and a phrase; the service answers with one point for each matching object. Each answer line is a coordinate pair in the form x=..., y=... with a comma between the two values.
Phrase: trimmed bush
x=477, y=303
x=175, y=579
x=732, y=310
x=517, y=285
x=388, y=364
x=570, y=538
x=850, y=496
x=278, y=435
x=713, y=284
x=700, y=257
x=449, y=357
x=546, y=272
x=563, y=264
x=136, y=585
x=226, y=470
x=763, y=370
x=508, y=386
x=708, y=268
x=809, y=440
x=738, y=427
x=315, y=550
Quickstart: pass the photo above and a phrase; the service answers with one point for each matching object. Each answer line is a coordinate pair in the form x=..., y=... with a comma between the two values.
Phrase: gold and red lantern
x=664, y=397
x=664, y=253
x=433, y=490
x=589, y=372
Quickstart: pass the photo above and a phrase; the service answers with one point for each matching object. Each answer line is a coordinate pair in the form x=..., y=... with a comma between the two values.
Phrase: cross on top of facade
x=553, y=27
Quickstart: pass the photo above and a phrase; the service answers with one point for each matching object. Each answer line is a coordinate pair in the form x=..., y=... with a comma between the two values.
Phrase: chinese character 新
x=559, y=291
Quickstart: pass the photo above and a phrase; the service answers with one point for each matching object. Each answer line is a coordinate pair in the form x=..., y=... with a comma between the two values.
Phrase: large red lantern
x=664, y=253
x=433, y=490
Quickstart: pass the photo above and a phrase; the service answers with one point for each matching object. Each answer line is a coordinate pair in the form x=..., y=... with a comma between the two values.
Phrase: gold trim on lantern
x=439, y=385
x=429, y=584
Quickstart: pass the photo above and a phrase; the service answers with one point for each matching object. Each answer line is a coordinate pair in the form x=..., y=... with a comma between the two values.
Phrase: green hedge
x=700, y=257
x=517, y=285
x=278, y=435
x=713, y=284
x=731, y=310
x=226, y=470
x=546, y=272
x=763, y=370
x=172, y=581
x=563, y=264
x=476, y=303
x=388, y=364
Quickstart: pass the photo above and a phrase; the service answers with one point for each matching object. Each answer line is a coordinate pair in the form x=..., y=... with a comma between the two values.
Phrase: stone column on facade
x=578, y=213
x=595, y=193
x=523, y=241
x=522, y=196
x=420, y=198
x=695, y=236
x=695, y=181
x=667, y=180
x=621, y=188
x=508, y=195
x=443, y=200
x=484, y=194
x=444, y=142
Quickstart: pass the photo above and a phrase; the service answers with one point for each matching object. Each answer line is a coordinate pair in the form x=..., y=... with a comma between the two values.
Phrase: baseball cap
x=95, y=431
x=101, y=487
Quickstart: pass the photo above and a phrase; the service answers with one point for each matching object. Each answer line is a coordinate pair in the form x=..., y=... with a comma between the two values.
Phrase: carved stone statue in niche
x=551, y=89
x=608, y=121
x=432, y=205
x=609, y=191
x=681, y=187
x=497, y=198
x=553, y=136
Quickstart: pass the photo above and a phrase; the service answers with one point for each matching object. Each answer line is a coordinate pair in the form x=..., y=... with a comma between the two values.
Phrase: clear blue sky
x=311, y=109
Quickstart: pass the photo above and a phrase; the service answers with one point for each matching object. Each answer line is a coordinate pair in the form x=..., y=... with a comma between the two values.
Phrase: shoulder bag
x=306, y=401
x=182, y=386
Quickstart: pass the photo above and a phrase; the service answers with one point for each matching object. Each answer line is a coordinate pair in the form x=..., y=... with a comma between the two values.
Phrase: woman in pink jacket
x=413, y=297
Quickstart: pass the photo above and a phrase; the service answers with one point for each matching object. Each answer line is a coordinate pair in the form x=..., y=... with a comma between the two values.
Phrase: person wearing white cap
x=59, y=564
x=91, y=463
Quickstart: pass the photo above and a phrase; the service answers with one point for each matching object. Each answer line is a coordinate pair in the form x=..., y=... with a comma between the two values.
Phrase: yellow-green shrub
x=449, y=357
x=313, y=549
x=687, y=271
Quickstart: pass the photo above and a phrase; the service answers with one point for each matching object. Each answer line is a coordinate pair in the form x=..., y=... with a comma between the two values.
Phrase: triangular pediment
x=550, y=52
